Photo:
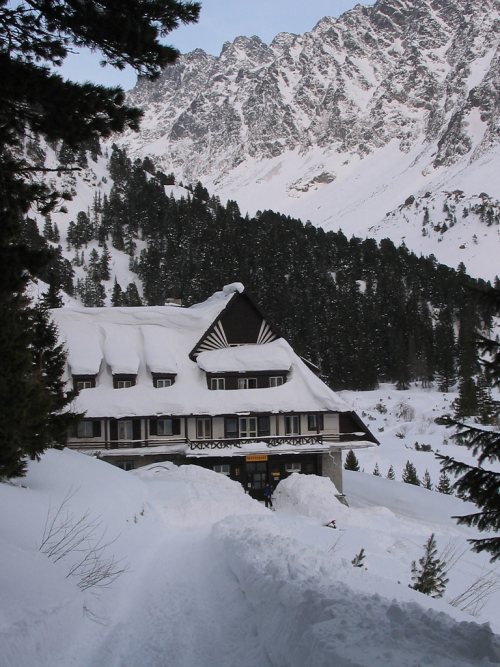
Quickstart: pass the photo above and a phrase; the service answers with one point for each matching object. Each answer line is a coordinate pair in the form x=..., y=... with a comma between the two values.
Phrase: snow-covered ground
x=212, y=578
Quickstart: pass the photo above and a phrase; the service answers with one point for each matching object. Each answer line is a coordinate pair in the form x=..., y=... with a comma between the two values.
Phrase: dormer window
x=124, y=381
x=162, y=380
x=83, y=382
x=276, y=381
x=217, y=383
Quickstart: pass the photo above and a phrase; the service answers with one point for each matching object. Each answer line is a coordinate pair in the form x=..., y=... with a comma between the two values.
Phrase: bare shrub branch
x=64, y=535
x=473, y=599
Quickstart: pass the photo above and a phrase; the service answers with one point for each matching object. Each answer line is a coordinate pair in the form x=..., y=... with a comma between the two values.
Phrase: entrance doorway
x=256, y=474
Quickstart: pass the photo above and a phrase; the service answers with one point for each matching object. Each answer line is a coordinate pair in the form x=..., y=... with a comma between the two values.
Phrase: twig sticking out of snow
x=64, y=535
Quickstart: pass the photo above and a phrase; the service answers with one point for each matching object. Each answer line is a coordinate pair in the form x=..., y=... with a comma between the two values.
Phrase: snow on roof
x=246, y=358
x=159, y=355
x=159, y=339
x=83, y=341
x=120, y=345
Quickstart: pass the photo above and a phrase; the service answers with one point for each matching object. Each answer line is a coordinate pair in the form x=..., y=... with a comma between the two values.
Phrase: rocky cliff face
x=412, y=70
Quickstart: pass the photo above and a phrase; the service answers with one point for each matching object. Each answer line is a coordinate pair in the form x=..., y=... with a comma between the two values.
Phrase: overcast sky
x=220, y=21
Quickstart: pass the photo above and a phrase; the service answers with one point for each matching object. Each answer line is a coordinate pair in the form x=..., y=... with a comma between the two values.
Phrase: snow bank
x=308, y=495
x=308, y=615
x=193, y=497
x=41, y=607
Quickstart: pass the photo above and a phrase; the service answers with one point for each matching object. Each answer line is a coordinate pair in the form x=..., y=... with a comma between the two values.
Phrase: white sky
x=220, y=21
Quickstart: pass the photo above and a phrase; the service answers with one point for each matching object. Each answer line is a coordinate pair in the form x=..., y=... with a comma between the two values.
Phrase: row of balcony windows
x=235, y=427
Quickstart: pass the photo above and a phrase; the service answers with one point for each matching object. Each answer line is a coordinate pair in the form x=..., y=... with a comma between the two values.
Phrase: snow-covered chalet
x=215, y=384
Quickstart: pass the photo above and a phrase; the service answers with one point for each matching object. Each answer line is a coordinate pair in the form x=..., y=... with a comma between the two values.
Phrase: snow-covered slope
x=342, y=124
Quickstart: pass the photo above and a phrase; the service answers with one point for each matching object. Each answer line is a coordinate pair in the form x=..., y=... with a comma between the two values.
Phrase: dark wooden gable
x=242, y=322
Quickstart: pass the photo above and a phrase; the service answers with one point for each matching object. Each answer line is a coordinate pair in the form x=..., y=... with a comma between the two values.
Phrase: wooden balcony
x=269, y=440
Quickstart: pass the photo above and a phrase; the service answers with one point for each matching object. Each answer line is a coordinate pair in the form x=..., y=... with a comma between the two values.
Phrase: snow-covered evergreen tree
x=429, y=577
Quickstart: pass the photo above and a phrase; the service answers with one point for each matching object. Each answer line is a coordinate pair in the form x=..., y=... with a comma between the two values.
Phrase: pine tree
x=351, y=462
x=426, y=481
x=445, y=350
x=131, y=296
x=117, y=296
x=444, y=485
x=376, y=471
x=410, y=474
x=104, y=273
x=429, y=576
x=390, y=473
x=487, y=408
x=475, y=483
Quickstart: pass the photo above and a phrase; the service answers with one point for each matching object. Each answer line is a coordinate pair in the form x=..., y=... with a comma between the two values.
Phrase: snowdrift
x=309, y=616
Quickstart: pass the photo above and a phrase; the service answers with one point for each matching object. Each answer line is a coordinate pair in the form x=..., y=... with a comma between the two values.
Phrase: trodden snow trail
x=190, y=612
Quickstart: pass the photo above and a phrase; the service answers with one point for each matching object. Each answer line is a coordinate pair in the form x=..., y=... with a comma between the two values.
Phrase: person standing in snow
x=267, y=496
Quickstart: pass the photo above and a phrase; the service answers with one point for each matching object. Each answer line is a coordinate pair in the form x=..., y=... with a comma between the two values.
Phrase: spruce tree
x=376, y=471
x=104, y=273
x=390, y=473
x=117, y=296
x=444, y=485
x=429, y=576
x=426, y=481
x=475, y=483
x=351, y=462
x=410, y=474
x=131, y=296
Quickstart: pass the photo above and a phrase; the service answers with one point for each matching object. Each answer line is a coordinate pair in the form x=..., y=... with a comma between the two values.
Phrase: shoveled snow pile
x=308, y=495
x=309, y=616
x=193, y=497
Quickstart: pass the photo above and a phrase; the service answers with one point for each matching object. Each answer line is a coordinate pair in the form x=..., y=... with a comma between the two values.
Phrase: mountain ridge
x=339, y=125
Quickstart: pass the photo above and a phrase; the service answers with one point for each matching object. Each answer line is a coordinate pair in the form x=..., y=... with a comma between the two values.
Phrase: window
x=160, y=383
x=85, y=429
x=247, y=383
x=315, y=423
x=125, y=430
x=293, y=467
x=292, y=425
x=248, y=427
x=264, y=426
x=203, y=429
x=231, y=427
x=275, y=381
x=217, y=383
x=164, y=427
x=123, y=384
x=125, y=465
x=83, y=384
x=223, y=468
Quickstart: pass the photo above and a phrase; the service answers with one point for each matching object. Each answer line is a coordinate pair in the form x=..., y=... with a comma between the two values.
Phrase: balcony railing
x=269, y=440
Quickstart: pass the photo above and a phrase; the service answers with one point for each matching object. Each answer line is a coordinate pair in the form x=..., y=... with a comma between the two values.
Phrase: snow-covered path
x=189, y=612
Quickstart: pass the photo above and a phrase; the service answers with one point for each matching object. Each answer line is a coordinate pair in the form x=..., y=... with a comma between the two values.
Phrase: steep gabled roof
x=241, y=321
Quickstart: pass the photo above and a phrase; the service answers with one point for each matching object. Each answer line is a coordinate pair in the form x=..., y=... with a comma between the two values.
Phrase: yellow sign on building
x=257, y=457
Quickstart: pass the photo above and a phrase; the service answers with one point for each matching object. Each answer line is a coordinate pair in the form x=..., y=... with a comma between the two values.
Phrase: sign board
x=257, y=457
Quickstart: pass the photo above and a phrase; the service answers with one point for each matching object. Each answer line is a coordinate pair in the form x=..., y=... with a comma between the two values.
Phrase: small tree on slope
x=475, y=483
x=429, y=575
x=351, y=462
x=410, y=474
